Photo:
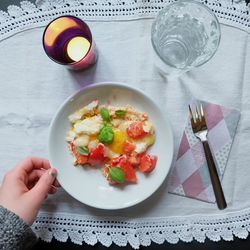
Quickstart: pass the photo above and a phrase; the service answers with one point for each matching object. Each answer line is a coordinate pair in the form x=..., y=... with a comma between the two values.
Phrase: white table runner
x=32, y=88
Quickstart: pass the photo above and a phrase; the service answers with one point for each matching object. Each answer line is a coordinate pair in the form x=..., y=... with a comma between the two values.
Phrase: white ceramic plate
x=88, y=185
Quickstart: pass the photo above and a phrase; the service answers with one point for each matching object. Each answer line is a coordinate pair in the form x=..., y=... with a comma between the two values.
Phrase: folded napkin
x=190, y=176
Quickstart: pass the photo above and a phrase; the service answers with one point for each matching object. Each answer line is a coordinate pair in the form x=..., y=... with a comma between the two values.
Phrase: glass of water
x=185, y=34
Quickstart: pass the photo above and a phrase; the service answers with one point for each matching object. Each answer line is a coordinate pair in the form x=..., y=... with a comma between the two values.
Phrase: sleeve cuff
x=14, y=232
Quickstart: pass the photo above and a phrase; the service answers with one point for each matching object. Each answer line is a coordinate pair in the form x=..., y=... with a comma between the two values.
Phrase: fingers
x=52, y=190
x=36, y=174
x=39, y=192
x=56, y=183
x=30, y=163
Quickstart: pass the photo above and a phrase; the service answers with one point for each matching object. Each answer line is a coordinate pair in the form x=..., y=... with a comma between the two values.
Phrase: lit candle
x=68, y=40
x=77, y=48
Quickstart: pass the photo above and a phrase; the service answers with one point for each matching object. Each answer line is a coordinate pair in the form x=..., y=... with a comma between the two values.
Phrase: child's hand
x=26, y=186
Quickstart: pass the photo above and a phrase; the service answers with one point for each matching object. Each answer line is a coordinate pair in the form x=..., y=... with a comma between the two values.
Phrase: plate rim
x=115, y=84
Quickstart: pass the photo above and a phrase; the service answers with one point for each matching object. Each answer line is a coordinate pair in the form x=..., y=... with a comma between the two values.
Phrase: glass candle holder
x=67, y=40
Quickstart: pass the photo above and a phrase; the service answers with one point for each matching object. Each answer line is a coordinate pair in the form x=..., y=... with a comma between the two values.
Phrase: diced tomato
x=148, y=163
x=130, y=174
x=135, y=160
x=81, y=159
x=129, y=171
x=135, y=130
x=123, y=163
x=128, y=147
x=97, y=154
x=117, y=160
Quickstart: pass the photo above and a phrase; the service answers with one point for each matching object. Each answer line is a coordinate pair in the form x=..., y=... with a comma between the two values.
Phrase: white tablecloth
x=32, y=88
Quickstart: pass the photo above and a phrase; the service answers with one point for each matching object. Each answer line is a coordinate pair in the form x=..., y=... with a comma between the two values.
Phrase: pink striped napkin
x=190, y=176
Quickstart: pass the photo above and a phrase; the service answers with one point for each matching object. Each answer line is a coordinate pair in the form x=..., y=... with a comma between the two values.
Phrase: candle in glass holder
x=68, y=40
x=77, y=48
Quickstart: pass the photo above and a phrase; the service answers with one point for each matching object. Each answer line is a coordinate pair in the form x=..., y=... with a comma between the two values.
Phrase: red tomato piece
x=117, y=160
x=81, y=159
x=123, y=162
x=135, y=160
x=135, y=130
x=129, y=171
x=148, y=163
x=97, y=154
x=128, y=147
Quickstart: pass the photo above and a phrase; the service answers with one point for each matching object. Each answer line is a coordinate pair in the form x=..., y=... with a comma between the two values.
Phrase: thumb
x=42, y=187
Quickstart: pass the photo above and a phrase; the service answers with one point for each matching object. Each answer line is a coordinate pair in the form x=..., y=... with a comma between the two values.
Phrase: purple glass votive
x=67, y=40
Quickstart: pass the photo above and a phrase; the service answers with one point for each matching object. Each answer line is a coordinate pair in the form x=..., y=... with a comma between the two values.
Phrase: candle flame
x=77, y=48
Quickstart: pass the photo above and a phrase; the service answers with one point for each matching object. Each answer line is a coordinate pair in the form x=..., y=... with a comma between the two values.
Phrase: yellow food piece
x=148, y=139
x=119, y=138
x=93, y=137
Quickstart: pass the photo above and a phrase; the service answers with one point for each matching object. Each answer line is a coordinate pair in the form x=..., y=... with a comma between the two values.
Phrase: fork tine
x=190, y=112
x=202, y=114
x=197, y=117
x=191, y=116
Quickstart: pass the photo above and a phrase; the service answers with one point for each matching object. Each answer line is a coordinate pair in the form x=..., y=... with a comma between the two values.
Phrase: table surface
x=237, y=243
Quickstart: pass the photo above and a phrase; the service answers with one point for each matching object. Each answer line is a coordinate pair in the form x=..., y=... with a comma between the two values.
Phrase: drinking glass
x=184, y=35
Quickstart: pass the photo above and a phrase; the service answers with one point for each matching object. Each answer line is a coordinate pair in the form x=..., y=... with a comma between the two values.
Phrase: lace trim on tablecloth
x=112, y=230
x=29, y=15
x=122, y=231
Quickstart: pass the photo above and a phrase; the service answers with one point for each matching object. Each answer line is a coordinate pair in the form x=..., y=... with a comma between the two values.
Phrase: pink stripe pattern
x=189, y=176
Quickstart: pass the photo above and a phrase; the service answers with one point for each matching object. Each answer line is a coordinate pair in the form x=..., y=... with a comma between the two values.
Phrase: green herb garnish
x=106, y=135
x=116, y=174
x=82, y=150
x=120, y=112
x=105, y=114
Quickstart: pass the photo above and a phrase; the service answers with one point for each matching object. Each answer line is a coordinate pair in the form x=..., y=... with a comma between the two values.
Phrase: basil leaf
x=106, y=135
x=105, y=114
x=120, y=112
x=82, y=150
x=117, y=174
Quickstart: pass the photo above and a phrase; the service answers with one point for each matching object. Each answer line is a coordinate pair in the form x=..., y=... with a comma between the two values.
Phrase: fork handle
x=219, y=195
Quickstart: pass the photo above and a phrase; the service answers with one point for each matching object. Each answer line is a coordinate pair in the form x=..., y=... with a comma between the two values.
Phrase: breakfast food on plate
x=116, y=138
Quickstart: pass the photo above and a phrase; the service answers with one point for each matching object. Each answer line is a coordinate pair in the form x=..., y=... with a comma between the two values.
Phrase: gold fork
x=199, y=127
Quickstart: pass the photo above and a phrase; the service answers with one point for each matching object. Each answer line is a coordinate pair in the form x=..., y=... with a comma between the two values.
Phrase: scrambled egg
x=89, y=126
x=87, y=123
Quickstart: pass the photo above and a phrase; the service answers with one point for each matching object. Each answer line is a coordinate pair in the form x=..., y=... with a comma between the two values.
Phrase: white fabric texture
x=32, y=88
